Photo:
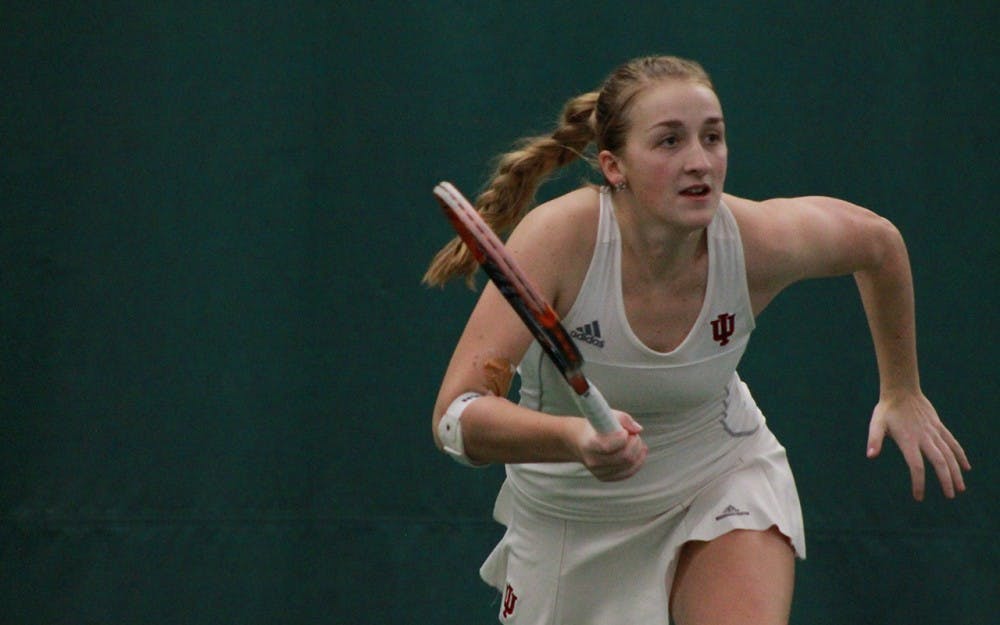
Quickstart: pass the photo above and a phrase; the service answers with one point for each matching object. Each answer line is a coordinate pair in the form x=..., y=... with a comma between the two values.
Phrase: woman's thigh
x=744, y=576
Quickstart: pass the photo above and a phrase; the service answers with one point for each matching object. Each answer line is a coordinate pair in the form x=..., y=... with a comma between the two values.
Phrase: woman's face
x=675, y=154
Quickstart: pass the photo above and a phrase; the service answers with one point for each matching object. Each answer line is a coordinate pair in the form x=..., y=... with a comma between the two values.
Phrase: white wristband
x=450, y=429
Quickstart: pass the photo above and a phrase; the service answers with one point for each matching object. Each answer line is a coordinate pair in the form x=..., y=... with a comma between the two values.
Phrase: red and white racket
x=530, y=306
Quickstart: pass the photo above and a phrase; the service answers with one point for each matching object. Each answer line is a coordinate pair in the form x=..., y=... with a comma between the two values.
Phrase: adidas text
x=589, y=333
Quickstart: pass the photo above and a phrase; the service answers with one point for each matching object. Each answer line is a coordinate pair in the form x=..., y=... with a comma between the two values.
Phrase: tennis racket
x=529, y=305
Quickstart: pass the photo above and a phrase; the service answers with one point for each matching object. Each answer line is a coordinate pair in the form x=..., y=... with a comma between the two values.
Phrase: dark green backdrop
x=217, y=363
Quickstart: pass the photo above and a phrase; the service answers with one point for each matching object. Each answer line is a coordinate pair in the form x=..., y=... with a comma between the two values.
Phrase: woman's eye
x=670, y=141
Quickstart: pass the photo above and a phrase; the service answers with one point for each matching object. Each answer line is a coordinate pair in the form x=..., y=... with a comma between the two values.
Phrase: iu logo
x=509, y=599
x=723, y=327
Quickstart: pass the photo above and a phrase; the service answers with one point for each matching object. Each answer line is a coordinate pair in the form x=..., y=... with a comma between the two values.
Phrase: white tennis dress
x=580, y=551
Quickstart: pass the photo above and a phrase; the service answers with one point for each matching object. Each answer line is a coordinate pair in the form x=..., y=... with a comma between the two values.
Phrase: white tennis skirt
x=555, y=571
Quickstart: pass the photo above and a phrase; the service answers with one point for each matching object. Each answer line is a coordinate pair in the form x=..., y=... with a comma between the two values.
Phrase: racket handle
x=593, y=406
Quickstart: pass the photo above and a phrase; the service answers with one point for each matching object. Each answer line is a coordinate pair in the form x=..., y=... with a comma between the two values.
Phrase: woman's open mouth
x=696, y=191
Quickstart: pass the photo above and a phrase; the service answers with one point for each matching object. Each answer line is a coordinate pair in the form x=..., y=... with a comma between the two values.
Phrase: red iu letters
x=509, y=599
x=723, y=327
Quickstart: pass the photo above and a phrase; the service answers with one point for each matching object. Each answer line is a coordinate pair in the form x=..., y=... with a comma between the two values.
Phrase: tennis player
x=689, y=512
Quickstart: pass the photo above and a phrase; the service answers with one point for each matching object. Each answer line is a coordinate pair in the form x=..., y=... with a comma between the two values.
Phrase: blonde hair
x=598, y=117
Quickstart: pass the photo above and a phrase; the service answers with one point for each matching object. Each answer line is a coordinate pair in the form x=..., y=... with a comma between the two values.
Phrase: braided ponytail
x=515, y=181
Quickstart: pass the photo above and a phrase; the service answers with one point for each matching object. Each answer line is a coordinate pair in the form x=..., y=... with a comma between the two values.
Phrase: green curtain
x=217, y=363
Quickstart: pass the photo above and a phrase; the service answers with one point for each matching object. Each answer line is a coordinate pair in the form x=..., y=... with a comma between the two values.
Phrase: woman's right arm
x=496, y=430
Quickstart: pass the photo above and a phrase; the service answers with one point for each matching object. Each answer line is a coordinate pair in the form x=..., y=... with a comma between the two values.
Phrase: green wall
x=217, y=363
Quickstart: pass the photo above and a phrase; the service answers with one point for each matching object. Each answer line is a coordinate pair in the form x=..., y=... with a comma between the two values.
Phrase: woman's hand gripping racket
x=533, y=310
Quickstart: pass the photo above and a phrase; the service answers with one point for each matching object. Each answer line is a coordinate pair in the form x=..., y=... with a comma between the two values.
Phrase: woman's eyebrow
x=676, y=123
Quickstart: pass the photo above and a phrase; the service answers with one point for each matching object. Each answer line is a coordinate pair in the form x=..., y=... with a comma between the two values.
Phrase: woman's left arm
x=903, y=411
x=788, y=240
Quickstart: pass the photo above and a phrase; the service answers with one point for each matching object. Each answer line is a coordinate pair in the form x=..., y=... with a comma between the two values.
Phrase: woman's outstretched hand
x=914, y=424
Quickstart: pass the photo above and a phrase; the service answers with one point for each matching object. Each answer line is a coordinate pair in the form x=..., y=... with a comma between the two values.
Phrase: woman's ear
x=614, y=173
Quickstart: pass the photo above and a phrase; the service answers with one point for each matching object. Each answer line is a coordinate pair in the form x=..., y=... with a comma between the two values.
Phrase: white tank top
x=693, y=407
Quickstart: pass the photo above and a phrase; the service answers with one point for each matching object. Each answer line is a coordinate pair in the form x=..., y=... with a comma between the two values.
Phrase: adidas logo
x=589, y=333
x=731, y=511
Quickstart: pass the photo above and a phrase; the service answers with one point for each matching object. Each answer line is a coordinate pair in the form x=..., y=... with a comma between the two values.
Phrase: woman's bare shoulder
x=790, y=239
x=555, y=242
x=759, y=221
x=563, y=221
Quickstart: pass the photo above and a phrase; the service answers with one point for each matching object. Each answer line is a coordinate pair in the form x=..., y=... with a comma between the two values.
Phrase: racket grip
x=596, y=409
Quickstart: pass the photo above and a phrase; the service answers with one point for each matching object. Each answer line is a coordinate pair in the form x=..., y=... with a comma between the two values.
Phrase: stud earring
x=621, y=186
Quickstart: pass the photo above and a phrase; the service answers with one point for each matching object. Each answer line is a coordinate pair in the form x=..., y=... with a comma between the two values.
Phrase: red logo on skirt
x=509, y=599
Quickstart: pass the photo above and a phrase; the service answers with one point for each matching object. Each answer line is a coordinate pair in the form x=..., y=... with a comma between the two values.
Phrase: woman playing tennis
x=690, y=512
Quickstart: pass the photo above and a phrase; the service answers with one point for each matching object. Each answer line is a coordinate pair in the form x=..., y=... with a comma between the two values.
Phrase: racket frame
x=534, y=311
